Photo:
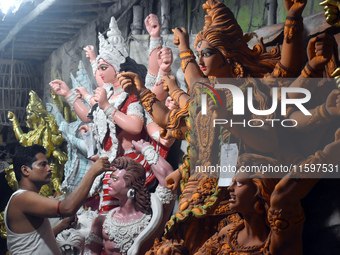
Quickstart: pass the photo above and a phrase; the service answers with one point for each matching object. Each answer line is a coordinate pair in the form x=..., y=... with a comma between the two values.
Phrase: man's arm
x=34, y=204
x=64, y=224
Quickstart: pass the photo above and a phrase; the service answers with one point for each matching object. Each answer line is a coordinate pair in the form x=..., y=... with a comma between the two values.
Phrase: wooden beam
x=24, y=21
x=46, y=20
x=57, y=31
x=86, y=2
x=29, y=37
x=37, y=45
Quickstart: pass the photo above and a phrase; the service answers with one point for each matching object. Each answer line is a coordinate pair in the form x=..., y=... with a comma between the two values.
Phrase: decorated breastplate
x=124, y=234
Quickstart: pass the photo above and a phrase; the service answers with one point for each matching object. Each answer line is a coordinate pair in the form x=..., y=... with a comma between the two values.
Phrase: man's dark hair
x=25, y=156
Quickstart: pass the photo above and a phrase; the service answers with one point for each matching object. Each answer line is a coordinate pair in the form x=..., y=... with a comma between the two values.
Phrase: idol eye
x=114, y=178
x=239, y=184
x=207, y=53
x=103, y=68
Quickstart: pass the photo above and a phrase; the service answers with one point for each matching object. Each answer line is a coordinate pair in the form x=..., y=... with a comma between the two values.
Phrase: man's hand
x=101, y=165
x=69, y=222
x=131, y=83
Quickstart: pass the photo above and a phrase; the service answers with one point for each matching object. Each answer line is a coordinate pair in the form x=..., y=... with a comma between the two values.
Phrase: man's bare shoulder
x=20, y=200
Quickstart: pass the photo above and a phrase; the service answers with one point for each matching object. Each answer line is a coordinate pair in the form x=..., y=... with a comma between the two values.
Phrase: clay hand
x=101, y=165
x=84, y=129
x=90, y=53
x=336, y=76
x=332, y=8
x=295, y=8
x=139, y=145
x=54, y=96
x=167, y=142
x=319, y=51
x=166, y=250
x=60, y=88
x=101, y=97
x=152, y=26
x=164, y=60
x=333, y=103
x=131, y=83
x=11, y=116
x=52, y=109
x=49, y=118
x=181, y=38
x=172, y=181
x=170, y=83
x=171, y=104
x=81, y=92
x=332, y=150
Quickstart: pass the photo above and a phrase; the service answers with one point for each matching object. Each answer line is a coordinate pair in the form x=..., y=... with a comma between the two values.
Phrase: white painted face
x=107, y=72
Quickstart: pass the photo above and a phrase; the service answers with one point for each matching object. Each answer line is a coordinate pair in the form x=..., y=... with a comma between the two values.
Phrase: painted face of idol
x=242, y=194
x=117, y=184
x=211, y=60
x=107, y=72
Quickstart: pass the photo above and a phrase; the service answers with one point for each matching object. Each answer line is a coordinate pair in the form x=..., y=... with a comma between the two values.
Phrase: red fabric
x=110, y=202
x=150, y=179
x=107, y=140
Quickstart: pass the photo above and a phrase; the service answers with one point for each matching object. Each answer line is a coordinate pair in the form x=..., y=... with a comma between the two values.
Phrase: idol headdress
x=222, y=31
x=113, y=49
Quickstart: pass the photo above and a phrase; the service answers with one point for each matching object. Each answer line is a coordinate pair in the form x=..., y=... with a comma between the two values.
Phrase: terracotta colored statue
x=222, y=53
x=272, y=215
x=138, y=220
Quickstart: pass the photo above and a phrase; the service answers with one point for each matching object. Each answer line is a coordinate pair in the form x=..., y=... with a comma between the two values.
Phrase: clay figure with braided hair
x=140, y=217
